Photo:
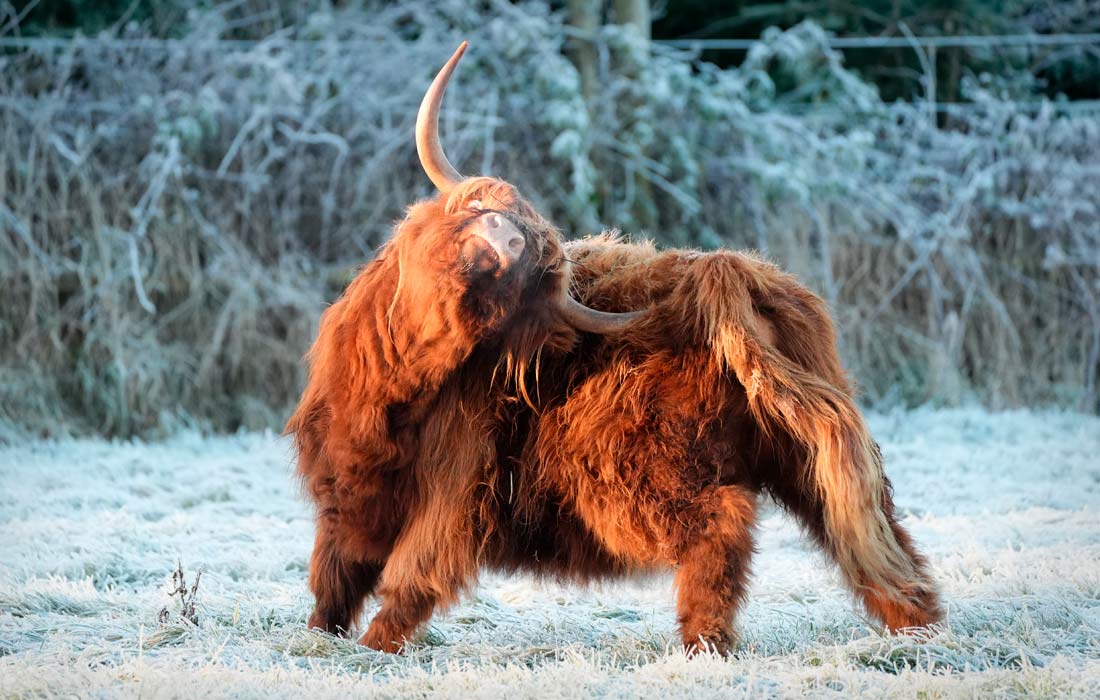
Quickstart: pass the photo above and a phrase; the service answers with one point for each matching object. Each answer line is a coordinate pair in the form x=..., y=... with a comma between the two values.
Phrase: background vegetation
x=1052, y=70
x=176, y=209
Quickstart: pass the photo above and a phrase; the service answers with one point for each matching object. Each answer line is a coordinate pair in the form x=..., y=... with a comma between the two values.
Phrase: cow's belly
x=632, y=448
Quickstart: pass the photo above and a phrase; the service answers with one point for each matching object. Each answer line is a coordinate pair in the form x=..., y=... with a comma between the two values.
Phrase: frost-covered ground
x=1007, y=506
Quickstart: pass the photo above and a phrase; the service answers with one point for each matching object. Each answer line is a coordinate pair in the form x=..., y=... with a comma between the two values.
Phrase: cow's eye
x=474, y=205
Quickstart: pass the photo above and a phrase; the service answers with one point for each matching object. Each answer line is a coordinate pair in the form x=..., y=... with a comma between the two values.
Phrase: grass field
x=1006, y=505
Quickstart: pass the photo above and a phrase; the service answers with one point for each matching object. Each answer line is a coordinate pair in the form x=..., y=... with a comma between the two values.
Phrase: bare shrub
x=174, y=215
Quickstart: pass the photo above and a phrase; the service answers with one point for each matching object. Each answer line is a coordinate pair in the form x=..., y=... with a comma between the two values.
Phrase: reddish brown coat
x=454, y=421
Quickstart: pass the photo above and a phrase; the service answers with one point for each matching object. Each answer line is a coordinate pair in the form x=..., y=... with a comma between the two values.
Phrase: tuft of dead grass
x=186, y=598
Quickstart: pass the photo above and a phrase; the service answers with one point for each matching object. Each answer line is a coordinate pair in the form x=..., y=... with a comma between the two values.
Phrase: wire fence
x=895, y=42
x=848, y=42
x=1090, y=41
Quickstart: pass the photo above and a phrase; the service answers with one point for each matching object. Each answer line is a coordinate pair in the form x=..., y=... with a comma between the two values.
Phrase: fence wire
x=848, y=42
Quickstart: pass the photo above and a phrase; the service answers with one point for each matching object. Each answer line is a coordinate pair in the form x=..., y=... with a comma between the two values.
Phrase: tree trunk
x=635, y=13
x=584, y=16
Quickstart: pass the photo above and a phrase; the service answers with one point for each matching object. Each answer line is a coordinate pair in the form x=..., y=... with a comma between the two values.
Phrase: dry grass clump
x=187, y=597
x=173, y=216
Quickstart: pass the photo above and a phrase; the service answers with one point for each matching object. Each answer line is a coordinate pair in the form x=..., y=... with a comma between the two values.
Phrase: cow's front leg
x=433, y=561
x=403, y=611
x=410, y=594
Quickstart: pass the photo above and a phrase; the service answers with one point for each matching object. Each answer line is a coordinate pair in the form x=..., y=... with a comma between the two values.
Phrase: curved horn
x=585, y=319
x=445, y=176
x=432, y=158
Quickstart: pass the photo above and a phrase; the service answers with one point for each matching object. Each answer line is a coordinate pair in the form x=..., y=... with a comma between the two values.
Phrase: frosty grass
x=1007, y=507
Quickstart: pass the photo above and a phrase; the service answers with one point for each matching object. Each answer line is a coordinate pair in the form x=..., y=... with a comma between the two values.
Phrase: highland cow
x=484, y=395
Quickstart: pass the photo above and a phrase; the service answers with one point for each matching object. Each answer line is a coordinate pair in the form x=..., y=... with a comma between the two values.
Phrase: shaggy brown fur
x=453, y=422
x=731, y=382
x=398, y=338
x=455, y=419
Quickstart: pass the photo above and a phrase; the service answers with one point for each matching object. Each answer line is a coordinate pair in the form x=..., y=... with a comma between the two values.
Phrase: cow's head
x=481, y=231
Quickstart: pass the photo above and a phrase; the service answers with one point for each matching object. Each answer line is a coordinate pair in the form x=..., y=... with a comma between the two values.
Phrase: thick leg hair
x=435, y=557
x=712, y=578
x=433, y=561
x=842, y=472
x=403, y=611
x=340, y=585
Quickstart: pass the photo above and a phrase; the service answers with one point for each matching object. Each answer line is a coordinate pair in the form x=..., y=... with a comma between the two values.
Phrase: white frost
x=1006, y=505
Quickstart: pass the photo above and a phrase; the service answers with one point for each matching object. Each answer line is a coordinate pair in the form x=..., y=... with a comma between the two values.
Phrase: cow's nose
x=503, y=236
x=506, y=237
x=516, y=243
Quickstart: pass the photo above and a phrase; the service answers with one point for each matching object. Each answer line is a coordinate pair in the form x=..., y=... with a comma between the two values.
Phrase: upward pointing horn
x=432, y=158
x=445, y=176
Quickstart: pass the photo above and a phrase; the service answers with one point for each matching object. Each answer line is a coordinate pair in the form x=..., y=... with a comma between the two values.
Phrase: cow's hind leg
x=714, y=567
x=339, y=584
x=905, y=596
